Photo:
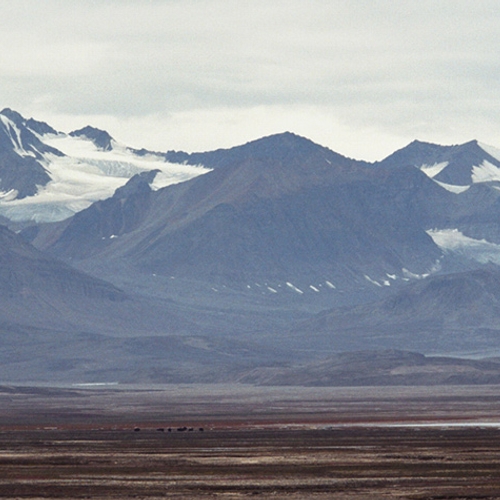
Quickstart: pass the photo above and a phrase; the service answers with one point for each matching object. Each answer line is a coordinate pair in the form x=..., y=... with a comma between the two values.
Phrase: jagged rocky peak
x=99, y=137
x=13, y=116
x=138, y=183
x=36, y=126
x=40, y=128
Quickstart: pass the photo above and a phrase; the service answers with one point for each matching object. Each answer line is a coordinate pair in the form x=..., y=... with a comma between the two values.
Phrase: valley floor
x=241, y=441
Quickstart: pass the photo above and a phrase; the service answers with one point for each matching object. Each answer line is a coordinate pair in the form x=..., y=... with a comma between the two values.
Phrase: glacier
x=85, y=174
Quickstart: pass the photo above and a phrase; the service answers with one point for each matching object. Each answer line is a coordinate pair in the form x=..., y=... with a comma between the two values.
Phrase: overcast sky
x=362, y=77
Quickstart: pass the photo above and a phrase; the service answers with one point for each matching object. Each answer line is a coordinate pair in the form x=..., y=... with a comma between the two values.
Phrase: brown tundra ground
x=362, y=443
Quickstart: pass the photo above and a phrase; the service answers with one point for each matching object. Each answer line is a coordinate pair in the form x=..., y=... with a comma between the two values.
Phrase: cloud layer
x=362, y=77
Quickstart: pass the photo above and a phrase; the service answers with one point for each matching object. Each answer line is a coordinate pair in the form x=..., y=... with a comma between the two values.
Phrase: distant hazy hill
x=372, y=368
x=447, y=313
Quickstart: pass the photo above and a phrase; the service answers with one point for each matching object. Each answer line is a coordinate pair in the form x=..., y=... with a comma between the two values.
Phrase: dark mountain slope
x=93, y=229
x=281, y=208
x=315, y=231
x=38, y=291
x=26, y=271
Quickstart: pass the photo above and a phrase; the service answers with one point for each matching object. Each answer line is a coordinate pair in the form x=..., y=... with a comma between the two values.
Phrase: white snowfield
x=85, y=174
x=452, y=240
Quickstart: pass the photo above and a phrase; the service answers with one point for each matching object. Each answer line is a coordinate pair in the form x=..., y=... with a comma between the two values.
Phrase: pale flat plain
x=292, y=442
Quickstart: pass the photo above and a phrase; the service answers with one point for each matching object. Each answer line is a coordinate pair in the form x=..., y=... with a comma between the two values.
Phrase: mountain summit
x=281, y=211
x=455, y=167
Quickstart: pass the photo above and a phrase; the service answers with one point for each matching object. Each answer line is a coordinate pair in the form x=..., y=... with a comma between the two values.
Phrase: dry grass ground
x=82, y=444
x=342, y=463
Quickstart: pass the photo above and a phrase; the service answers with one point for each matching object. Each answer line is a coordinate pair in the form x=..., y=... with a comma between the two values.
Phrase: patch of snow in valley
x=409, y=275
x=452, y=240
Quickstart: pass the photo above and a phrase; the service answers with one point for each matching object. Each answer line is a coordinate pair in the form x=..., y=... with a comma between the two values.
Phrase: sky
x=362, y=77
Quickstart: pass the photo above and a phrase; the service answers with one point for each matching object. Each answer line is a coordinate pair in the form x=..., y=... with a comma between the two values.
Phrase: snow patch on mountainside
x=492, y=151
x=294, y=288
x=452, y=187
x=88, y=174
x=486, y=172
x=373, y=282
x=14, y=135
x=8, y=195
x=452, y=240
x=433, y=170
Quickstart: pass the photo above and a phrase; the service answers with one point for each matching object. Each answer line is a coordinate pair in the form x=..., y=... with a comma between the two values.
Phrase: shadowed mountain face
x=25, y=271
x=21, y=171
x=40, y=292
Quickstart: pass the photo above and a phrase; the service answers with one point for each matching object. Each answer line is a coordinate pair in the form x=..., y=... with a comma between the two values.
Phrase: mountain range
x=216, y=264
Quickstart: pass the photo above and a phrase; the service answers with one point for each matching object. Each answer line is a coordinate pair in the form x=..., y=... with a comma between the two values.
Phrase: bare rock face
x=99, y=137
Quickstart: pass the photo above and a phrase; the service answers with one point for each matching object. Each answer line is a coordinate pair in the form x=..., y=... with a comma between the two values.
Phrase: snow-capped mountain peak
x=62, y=174
x=456, y=167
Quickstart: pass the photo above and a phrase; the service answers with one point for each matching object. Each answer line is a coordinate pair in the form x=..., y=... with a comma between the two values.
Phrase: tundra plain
x=240, y=441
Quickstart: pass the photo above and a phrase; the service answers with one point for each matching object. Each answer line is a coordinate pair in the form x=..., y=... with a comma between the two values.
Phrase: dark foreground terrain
x=238, y=442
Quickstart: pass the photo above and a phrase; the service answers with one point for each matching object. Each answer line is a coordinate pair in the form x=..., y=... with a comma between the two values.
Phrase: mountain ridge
x=268, y=255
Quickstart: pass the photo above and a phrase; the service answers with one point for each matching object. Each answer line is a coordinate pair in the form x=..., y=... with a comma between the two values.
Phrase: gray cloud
x=387, y=70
